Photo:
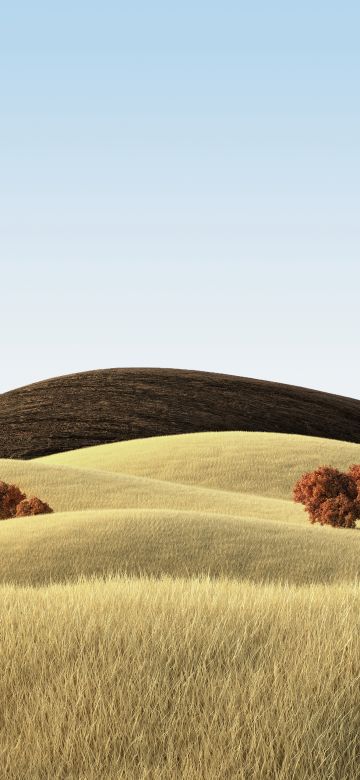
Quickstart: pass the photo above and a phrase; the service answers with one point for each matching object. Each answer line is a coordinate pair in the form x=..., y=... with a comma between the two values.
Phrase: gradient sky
x=179, y=186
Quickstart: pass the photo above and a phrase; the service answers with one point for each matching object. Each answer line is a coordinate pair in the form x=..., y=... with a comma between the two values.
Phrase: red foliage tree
x=10, y=496
x=329, y=496
x=32, y=506
x=341, y=512
x=13, y=503
x=354, y=472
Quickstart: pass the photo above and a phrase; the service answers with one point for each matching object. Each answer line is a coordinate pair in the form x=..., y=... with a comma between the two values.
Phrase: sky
x=179, y=187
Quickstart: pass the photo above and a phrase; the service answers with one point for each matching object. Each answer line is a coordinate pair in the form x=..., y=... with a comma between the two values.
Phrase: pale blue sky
x=179, y=186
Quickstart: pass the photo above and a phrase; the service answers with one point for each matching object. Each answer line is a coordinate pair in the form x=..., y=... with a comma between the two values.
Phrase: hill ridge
x=108, y=405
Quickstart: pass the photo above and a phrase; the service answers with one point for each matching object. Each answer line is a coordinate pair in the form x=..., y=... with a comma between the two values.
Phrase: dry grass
x=250, y=675
x=236, y=473
x=68, y=489
x=174, y=679
x=63, y=546
x=259, y=463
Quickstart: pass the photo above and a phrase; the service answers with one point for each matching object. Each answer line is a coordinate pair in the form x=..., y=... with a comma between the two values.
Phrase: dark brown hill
x=95, y=407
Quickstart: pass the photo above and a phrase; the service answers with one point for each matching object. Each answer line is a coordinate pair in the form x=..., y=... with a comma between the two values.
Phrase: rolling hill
x=187, y=505
x=178, y=616
x=98, y=407
x=266, y=464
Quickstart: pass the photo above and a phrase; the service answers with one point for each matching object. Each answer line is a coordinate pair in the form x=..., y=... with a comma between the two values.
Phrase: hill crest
x=98, y=407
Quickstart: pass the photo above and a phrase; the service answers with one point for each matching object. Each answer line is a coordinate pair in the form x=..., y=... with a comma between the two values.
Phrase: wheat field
x=178, y=616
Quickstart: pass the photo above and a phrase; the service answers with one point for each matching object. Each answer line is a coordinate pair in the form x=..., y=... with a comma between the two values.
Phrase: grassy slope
x=181, y=544
x=179, y=678
x=68, y=489
x=133, y=679
x=260, y=463
x=160, y=525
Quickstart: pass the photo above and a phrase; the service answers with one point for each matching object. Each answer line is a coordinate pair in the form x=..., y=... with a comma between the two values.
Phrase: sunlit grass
x=181, y=544
x=134, y=678
x=214, y=632
x=260, y=463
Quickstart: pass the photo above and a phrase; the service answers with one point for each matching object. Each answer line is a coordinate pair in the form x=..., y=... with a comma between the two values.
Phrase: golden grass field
x=178, y=616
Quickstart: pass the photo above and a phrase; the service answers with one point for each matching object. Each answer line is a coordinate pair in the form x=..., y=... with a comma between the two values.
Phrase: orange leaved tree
x=32, y=506
x=330, y=497
x=13, y=503
x=10, y=496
